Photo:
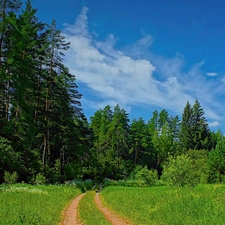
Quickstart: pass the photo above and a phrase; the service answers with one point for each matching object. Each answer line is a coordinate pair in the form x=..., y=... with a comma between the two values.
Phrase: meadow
x=203, y=204
x=26, y=204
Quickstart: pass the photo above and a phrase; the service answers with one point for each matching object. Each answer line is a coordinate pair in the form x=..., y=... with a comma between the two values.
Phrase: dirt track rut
x=110, y=216
x=70, y=214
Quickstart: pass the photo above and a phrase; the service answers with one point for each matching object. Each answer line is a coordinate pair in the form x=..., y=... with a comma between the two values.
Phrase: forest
x=45, y=135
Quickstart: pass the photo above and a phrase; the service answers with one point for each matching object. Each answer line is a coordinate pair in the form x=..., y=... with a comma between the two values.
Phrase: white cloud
x=211, y=74
x=214, y=124
x=131, y=77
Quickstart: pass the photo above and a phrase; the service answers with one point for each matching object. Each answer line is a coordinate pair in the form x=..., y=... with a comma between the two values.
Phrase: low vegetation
x=26, y=204
x=203, y=204
x=88, y=211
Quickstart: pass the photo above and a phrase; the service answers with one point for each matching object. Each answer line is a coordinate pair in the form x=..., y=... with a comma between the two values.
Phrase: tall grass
x=163, y=205
x=26, y=204
x=88, y=211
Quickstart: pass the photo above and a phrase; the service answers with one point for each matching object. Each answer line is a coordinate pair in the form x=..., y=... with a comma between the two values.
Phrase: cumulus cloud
x=117, y=76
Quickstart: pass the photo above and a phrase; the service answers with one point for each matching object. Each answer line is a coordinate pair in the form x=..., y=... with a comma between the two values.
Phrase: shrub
x=179, y=172
x=10, y=178
x=199, y=160
x=40, y=179
x=88, y=184
x=152, y=177
x=148, y=176
x=109, y=182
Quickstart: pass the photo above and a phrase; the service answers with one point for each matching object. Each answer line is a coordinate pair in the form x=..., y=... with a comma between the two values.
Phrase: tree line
x=43, y=131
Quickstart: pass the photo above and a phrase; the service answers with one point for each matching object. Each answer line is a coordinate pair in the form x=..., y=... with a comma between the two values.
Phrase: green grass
x=202, y=205
x=88, y=211
x=26, y=204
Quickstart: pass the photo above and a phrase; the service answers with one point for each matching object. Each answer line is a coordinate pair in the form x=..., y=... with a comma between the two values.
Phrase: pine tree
x=195, y=133
x=200, y=129
x=23, y=48
x=185, y=136
x=118, y=134
x=8, y=10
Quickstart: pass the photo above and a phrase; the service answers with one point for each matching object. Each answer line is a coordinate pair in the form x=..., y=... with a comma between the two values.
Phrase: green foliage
x=8, y=157
x=185, y=138
x=200, y=167
x=10, y=178
x=148, y=176
x=110, y=146
x=179, y=172
x=72, y=170
x=216, y=160
x=164, y=130
x=89, y=184
x=203, y=204
x=39, y=101
x=83, y=185
x=40, y=179
x=140, y=142
x=194, y=133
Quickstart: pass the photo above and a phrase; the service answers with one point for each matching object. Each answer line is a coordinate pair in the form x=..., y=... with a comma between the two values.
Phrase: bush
x=40, y=179
x=8, y=158
x=199, y=160
x=10, y=178
x=179, y=172
x=85, y=185
x=88, y=184
x=148, y=176
x=152, y=177
x=109, y=182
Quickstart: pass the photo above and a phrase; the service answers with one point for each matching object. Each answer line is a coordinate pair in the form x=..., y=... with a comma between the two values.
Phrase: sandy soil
x=110, y=216
x=70, y=214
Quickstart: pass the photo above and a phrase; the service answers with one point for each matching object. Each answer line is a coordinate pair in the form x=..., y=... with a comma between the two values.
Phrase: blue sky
x=145, y=55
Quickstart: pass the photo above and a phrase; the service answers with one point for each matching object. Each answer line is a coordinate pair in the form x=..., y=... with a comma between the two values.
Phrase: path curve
x=70, y=214
x=111, y=217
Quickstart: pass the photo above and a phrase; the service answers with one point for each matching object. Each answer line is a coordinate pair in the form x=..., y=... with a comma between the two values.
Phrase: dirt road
x=71, y=215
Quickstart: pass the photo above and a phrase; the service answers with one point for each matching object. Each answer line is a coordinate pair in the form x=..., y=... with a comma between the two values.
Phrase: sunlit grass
x=88, y=211
x=26, y=204
x=163, y=205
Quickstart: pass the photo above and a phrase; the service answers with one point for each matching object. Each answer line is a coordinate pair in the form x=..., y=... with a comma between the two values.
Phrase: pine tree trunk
x=7, y=101
x=44, y=158
x=44, y=155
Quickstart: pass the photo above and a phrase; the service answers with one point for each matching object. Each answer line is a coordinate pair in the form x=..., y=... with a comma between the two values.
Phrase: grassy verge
x=88, y=211
x=163, y=205
x=26, y=204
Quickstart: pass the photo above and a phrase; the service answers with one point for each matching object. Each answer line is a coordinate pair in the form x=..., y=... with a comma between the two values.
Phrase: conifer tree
x=8, y=12
x=194, y=133
x=185, y=136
